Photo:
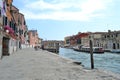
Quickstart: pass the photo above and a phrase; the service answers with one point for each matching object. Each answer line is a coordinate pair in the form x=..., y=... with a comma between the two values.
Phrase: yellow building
x=67, y=41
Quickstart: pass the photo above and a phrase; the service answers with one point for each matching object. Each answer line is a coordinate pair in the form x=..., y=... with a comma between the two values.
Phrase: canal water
x=106, y=61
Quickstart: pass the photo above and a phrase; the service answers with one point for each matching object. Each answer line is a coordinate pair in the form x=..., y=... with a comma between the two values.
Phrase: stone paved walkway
x=28, y=64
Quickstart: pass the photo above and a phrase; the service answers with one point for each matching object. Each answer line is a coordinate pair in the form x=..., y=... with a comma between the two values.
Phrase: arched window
x=114, y=47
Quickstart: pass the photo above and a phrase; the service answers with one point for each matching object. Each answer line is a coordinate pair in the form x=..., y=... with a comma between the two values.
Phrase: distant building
x=111, y=40
x=22, y=29
x=33, y=38
x=61, y=43
x=78, y=39
x=97, y=39
x=51, y=45
x=107, y=40
x=67, y=41
x=40, y=42
x=84, y=37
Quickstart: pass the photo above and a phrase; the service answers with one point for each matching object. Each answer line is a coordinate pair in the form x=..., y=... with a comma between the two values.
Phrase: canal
x=106, y=61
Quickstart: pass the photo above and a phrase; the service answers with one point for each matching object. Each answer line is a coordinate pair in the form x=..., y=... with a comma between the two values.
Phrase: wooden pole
x=91, y=55
x=57, y=45
x=56, y=48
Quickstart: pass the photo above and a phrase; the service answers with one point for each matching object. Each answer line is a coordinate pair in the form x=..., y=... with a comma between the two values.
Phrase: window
x=33, y=34
x=116, y=35
x=10, y=23
x=24, y=35
x=108, y=36
x=112, y=36
x=24, y=23
x=118, y=46
x=0, y=12
x=14, y=27
x=105, y=36
x=21, y=32
x=7, y=4
x=4, y=20
x=79, y=41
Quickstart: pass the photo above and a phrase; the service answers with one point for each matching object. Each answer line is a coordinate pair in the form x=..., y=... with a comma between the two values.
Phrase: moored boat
x=115, y=51
x=76, y=48
x=95, y=49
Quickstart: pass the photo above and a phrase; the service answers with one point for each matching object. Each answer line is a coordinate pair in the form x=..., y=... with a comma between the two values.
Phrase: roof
x=32, y=31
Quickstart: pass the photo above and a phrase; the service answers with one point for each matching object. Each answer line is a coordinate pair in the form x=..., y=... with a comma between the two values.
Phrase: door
x=5, y=48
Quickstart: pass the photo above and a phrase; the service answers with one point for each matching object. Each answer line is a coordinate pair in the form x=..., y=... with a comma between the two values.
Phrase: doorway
x=5, y=46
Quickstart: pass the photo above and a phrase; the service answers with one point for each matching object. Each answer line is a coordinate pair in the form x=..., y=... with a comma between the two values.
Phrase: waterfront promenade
x=28, y=64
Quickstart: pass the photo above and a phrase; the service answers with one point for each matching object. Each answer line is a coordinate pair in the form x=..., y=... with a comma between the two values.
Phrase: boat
x=76, y=48
x=115, y=51
x=98, y=50
x=95, y=49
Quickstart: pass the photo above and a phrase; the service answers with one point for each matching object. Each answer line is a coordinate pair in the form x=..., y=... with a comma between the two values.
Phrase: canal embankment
x=28, y=64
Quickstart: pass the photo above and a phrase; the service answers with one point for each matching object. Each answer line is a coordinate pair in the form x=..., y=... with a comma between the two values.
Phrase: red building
x=33, y=38
x=76, y=39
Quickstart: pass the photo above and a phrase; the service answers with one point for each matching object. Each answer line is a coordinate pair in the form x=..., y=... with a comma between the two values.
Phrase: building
x=13, y=29
x=51, y=45
x=22, y=30
x=67, y=41
x=111, y=40
x=97, y=39
x=2, y=14
x=73, y=40
x=78, y=39
x=85, y=38
x=40, y=42
x=33, y=38
x=8, y=33
x=107, y=40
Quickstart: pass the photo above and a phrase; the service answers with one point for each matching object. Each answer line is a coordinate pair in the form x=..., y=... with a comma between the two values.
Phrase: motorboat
x=115, y=51
x=95, y=49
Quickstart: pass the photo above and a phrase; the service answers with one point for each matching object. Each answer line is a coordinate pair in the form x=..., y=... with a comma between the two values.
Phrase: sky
x=56, y=19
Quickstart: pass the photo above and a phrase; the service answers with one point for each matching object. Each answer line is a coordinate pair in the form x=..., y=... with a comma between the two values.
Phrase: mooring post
x=91, y=54
x=57, y=47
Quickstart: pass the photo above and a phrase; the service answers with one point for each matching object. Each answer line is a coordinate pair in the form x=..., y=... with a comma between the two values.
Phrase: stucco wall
x=12, y=46
x=1, y=38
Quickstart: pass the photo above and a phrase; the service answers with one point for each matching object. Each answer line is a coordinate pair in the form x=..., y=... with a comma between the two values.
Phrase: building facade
x=10, y=25
x=51, y=45
x=67, y=41
x=40, y=42
x=107, y=40
x=22, y=30
x=33, y=38
x=78, y=39
x=111, y=40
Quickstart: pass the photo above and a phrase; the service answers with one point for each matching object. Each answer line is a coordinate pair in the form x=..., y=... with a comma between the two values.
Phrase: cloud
x=62, y=9
x=54, y=5
x=58, y=16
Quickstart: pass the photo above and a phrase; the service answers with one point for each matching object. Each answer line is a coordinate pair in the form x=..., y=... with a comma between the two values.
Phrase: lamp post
x=91, y=52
